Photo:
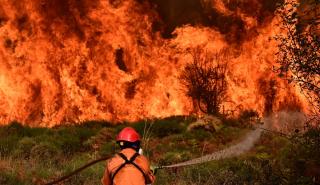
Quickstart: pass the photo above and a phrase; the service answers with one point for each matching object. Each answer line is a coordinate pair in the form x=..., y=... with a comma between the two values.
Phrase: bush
x=232, y=122
x=72, y=139
x=175, y=156
x=303, y=155
x=91, y=175
x=14, y=128
x=8, y=144
x=10, y=179
x=45, y=151
x=168, y=126
x=107, y=149
x=24, y=147
x=199, y=135
x=94, y=125
x=69, y=145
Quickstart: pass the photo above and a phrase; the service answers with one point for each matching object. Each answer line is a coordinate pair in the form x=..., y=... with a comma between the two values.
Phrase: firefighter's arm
x=151, y=175
x=106, y=177
x=144, y=163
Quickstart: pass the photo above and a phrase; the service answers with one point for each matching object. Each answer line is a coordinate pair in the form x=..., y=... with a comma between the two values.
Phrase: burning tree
x=205, y=80
x=299, y=47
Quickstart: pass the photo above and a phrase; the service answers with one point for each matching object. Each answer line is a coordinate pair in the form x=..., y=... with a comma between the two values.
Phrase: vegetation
x=37, y=155
x=299, y=47
x=205, y=80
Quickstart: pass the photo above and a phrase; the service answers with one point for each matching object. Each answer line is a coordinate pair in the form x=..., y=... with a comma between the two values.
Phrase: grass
x=37, y=155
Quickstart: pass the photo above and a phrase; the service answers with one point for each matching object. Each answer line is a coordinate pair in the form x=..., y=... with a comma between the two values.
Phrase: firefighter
x=128, y=167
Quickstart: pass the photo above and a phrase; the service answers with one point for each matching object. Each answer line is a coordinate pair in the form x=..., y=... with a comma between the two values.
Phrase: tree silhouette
x=205, y=80
x=299, y=47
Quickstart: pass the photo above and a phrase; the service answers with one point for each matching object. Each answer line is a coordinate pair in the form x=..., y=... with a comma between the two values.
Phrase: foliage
x=107, y=149
x=166, y=127
x=10, y=178
x=24, y=146
x=299, y=46
x=163, y=127
x=7, y=144
x=209, y=123
x=205, y=80
x=274, y=160
x=302, y=157
x=44, y=151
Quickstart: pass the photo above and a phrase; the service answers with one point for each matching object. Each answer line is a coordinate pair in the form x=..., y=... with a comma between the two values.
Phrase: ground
x=38, y=155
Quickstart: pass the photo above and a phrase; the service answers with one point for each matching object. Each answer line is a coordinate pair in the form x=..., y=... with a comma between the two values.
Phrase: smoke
x=282, y=121
x=236, y=20
x=286, y=121
x=235, y=150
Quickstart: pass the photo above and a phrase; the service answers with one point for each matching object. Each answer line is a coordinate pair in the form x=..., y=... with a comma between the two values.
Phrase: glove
x=154, y=169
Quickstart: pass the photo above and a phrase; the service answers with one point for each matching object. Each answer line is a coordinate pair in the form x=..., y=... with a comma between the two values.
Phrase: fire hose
x=231, y=151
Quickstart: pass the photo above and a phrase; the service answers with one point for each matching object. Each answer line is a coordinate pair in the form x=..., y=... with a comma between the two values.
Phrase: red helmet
x=128, y=134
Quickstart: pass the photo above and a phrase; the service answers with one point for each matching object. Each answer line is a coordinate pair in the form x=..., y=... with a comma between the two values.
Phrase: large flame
x=70, y=61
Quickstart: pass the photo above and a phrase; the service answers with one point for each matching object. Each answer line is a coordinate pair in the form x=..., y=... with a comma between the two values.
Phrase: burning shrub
x=299, y=47
x=205, y=80
x=249, y=117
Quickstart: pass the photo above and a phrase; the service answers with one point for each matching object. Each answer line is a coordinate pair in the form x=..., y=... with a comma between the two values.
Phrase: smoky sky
x=175, y=13
x=172, y=14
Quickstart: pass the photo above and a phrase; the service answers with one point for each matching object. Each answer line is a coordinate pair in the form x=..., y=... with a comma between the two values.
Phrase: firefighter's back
x=128, y=174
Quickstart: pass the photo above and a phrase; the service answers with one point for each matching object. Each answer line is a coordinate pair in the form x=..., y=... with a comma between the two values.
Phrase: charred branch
x=299, y=55
x=205, y=81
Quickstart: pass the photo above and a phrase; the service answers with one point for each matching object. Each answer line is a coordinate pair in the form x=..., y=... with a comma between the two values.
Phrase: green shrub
x=8, y=144
x=107, y=149
x=175, y=156
x=14, y=128
x=166, y=127
x=91, y=175
x=45, y=151
x=199, y=135
x=24, y=147
x=84, y=133
x=94, y=125
x=71, y=139
x=69, y=144
x=10, y=179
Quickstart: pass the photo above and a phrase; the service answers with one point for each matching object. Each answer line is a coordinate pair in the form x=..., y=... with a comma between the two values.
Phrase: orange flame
x=70, y=61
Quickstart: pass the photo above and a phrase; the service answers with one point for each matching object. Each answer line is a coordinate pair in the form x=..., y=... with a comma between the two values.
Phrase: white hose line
x=235, y=150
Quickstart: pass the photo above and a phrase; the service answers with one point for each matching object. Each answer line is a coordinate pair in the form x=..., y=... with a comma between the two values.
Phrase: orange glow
x=61, y=61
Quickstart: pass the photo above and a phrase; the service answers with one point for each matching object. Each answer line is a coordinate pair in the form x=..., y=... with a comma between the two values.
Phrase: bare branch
x=299, y=48
x=205, y=80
